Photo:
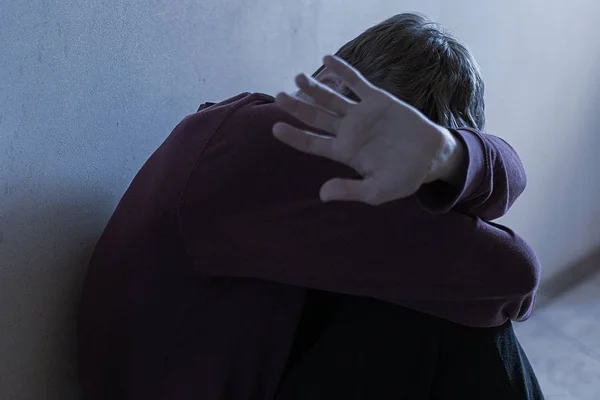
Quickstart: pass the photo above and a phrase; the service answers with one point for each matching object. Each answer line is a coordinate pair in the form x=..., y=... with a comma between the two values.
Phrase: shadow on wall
x=46, y=239
x=568, y=278
x=574, y=192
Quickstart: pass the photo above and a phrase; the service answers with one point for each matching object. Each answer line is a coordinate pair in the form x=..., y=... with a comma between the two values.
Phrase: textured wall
x=88, y=89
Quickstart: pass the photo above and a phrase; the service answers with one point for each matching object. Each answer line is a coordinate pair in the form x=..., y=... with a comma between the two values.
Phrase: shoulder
x=199, y=132
x=226, y=109
x=239, y=106
x=243, y=134
x=242, y=158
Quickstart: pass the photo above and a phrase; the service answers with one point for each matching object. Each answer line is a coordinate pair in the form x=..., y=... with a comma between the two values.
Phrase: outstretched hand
x=392, y=145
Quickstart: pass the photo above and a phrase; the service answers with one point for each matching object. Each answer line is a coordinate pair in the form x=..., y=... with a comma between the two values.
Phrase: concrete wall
x=88, y=89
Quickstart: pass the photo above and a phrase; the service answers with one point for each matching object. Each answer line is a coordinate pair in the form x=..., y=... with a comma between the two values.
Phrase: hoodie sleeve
x=493, y=179
x=252, y=203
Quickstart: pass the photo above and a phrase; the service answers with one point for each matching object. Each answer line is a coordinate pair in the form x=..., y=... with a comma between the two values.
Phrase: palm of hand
x=389, y=143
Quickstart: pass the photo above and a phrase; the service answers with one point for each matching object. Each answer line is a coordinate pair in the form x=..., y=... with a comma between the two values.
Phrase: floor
x=562, y=341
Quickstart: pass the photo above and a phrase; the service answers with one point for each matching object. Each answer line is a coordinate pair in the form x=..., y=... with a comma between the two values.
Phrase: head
x=419, y=62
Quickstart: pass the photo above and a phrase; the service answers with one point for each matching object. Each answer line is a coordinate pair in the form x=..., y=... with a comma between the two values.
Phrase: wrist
x=449, y=160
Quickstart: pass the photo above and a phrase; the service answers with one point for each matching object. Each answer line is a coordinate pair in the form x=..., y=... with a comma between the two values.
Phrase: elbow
x=516, y=177
x=521, y=183
x=516, y=187
x=527, y=273
x=521, y=274
x=526, y=269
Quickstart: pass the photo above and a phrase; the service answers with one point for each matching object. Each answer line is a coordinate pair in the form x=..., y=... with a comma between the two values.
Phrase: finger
x=304, y=141
x=323, y=95
x=307, y=113
x=362, y=190
x=350, y=76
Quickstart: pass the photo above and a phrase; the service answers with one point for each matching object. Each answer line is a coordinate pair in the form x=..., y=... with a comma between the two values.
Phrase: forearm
x=479, y=175
x=451, y=162
x=253, y=204
x=489, y=275
x=452, y=266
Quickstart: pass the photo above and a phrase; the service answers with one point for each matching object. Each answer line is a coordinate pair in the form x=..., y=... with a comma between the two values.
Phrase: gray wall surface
x=88, y=89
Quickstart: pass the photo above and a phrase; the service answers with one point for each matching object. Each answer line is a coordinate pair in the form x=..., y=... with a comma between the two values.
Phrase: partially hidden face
x=326, y=78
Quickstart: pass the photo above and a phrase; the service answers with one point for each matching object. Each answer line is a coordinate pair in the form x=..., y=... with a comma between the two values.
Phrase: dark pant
x=352, y=348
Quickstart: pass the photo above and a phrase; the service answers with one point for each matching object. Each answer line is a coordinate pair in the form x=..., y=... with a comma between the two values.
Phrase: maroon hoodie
x=196, y=286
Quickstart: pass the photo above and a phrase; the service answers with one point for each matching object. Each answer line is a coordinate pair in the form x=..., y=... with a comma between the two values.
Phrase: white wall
x=88, y=89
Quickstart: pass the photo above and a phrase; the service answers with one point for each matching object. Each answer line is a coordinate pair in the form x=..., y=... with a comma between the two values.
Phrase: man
x=216, y=277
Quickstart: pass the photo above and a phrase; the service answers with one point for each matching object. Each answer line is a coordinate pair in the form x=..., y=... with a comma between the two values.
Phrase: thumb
x=338, y=189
